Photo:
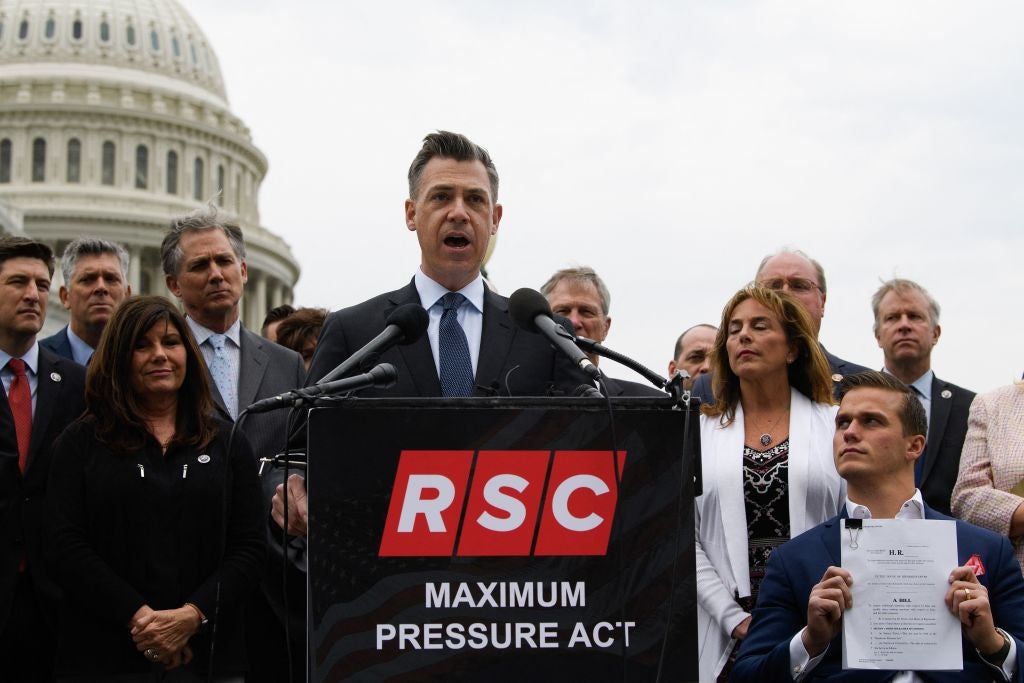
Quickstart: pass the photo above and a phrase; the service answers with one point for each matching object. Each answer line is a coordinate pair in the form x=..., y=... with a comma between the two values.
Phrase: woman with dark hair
x=300, y=332
x=766, y=458
x=159, y=531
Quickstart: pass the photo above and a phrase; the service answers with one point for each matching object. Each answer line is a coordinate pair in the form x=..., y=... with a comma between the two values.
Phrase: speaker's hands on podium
x=298, y=507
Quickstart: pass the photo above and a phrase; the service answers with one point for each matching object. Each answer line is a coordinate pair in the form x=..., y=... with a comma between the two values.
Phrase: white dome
x=113, y=119
x=120, y=39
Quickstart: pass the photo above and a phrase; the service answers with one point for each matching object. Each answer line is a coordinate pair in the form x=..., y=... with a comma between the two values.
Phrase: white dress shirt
x=471, y=317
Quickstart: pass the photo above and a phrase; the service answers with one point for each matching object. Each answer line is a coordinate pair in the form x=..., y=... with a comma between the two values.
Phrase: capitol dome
x=114, y=118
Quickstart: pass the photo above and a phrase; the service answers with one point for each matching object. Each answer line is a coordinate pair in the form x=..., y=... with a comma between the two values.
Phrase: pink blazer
x=992, y=462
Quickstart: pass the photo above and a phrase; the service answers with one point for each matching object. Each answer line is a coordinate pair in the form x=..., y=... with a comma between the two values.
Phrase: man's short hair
x=679, y=342
x=581, y=275
x=91, y=246
x=912, y=415
x=447, y=145
x=819, y=271
x=15, y=246
x=207, y=218
x=901, y=286
x=275, y=314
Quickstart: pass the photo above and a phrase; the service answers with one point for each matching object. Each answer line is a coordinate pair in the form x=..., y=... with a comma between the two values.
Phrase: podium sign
x=501, y=539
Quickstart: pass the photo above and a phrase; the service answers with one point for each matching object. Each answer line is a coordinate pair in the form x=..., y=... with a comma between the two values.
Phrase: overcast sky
x=670, y=145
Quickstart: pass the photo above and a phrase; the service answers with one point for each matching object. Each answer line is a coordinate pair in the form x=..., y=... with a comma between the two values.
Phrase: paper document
x=899, y=619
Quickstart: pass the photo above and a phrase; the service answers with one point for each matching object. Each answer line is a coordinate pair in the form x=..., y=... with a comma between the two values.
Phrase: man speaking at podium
x=472, y=346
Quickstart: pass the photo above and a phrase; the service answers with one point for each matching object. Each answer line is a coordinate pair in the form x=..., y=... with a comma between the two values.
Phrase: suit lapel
x=253, y=366
x=48, y=390
x=831, y=539
x=495, y=340
x=416, y=357
x=937, y=425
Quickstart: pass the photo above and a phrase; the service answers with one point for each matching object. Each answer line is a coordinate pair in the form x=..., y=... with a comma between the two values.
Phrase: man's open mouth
x=456, y=241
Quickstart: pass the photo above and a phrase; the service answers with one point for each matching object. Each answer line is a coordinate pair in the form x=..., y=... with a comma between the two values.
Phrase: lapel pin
x=204, y=458
x=946, y=393
x=837, y=377
x=976, y=565
x=55, y=376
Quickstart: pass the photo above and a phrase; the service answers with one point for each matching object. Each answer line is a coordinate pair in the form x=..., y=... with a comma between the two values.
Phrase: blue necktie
x=456, y=366
x=223, y=374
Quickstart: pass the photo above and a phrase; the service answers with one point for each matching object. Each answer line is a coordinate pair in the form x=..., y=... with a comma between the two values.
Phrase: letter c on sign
x=431, y=508
x=560, y=502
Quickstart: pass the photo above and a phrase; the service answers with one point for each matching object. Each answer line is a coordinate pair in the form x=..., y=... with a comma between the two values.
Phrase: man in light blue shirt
x=907, y=329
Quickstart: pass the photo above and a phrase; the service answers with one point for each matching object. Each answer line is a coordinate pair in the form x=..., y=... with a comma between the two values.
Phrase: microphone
x=532, y=312
x=381, y=376
x=405, y=325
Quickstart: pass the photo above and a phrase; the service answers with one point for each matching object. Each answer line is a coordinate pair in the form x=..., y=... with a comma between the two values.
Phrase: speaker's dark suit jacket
x=512, y=362
x=60, y=398
x=59, y=343
x=947, y=429
x=795, y=568
x=622, y=387
x=840, y=368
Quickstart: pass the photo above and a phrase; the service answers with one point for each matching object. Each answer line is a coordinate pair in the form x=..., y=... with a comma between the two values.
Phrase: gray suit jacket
x=267, y=369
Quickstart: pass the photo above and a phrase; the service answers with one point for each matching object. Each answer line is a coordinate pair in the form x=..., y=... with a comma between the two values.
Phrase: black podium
x=502, y=540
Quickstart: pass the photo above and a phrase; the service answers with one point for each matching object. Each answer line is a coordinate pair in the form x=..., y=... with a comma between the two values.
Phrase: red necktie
x=19, y=397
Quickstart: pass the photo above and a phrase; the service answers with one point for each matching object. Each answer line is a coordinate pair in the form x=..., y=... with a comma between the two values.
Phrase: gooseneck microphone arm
x=673, y=386
x=591, y=346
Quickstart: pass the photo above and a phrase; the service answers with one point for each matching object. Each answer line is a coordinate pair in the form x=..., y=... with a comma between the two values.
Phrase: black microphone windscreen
x=526, y=304
x=411, y=319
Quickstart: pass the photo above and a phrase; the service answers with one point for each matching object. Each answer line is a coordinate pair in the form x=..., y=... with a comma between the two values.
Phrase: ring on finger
x=152, y=654
x=967, y=594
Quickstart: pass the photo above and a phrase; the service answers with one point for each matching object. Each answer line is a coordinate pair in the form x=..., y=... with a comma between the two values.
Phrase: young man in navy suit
x=42, y=394
x=797, y=624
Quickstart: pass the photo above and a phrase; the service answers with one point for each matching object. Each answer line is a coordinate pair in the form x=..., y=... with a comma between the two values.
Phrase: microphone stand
x=673, y=386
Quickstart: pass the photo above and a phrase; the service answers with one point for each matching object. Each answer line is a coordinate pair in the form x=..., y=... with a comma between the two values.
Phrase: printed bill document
x=899, y=620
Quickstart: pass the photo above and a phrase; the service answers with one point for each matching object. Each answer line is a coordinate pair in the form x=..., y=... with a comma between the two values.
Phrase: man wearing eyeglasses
x=796, y=273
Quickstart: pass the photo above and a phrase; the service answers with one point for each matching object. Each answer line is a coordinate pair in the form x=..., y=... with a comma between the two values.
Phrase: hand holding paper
x=829, y=598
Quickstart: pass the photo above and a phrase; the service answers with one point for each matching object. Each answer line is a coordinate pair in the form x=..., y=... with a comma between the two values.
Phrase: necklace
x=766, y=437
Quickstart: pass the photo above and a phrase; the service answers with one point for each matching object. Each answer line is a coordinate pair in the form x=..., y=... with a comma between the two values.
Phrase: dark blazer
x=60, y=398
x=59, y=343
x=947, y=428
x=795, y=567
x=121, y=541
x=840, y=368
x=512, y=362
